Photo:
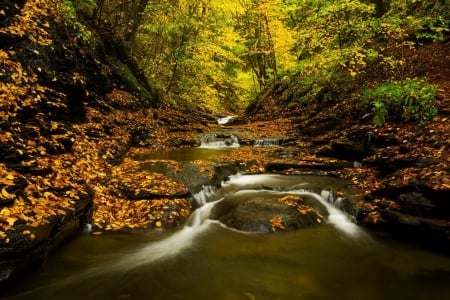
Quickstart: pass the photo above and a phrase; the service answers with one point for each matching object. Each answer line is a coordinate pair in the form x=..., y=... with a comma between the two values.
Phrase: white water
x=267, y=142
x=218, y=144
x=236, y=266
x=213, y=141
x=197, y=223
x=224, y=120
x=336, y=217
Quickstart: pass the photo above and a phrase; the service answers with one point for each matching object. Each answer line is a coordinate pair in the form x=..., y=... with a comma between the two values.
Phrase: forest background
x=221, y=54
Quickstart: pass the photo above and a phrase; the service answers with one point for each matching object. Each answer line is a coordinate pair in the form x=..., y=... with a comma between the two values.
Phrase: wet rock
x=417, y=200
x=267, y=215
x=222, y=172
x=220, y=139
x=322, y=166
x=428, y=233
x=350, y=151
x=194, y=176
x=28, y=247
x=141, y=136
x=416, y=204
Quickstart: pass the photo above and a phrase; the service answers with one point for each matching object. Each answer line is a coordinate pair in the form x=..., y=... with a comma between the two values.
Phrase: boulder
x=263, y=215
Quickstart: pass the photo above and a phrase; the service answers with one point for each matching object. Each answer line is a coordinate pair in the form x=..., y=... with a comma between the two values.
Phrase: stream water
x=206, y=260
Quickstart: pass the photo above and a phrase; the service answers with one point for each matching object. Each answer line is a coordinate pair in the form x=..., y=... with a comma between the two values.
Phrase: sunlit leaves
x=31, y=22
x=114, y=213
x=134, y=198
x=11, y=183
x=302, y=208
x=334, y=33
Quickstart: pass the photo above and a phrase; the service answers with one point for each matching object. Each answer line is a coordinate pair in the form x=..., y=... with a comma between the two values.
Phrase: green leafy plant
x=409, y=100
x=71, y=11
x=380, y=113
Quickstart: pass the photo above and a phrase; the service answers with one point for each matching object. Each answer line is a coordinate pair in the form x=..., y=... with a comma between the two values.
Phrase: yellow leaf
x=158, y=224
x=6, y=194
x=48, y=194
x=5, y=211
x=11, y=220
x=35, y=224
x=61, y=212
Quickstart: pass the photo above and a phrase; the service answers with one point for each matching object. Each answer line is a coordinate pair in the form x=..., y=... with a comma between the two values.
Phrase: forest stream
x=224, y=150
x=205, y=259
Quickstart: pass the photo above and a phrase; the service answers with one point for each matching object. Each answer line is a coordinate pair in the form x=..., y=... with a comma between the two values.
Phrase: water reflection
x=316, y=263
x=185, y=154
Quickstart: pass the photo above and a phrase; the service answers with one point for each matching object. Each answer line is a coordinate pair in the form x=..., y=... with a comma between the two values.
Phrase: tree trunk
x=136, y=19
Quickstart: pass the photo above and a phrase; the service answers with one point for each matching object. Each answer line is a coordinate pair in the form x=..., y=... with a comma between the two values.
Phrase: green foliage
x=426, y=20
x=318, y=90
x=133, y=84
x=410, y=100
x=434, y=29
x=71, y=11
x=334, y=34
x=191, y=51
x=380, y=112
x=219, y=54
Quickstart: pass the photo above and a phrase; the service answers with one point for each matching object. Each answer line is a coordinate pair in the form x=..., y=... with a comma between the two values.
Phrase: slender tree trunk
x=138, y=12
x=273, y=59
x=98, y=12
x=379, y=8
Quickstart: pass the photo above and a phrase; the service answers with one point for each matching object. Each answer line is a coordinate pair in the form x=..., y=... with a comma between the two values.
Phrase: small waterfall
x=267, y=142
x=214, y=140
x=343, y=204
x=224, y=120
x=336, y=216
x=207, y=193
x=197, y=223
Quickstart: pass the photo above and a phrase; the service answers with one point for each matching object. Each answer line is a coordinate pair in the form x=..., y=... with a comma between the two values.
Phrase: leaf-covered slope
x=70, y=108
